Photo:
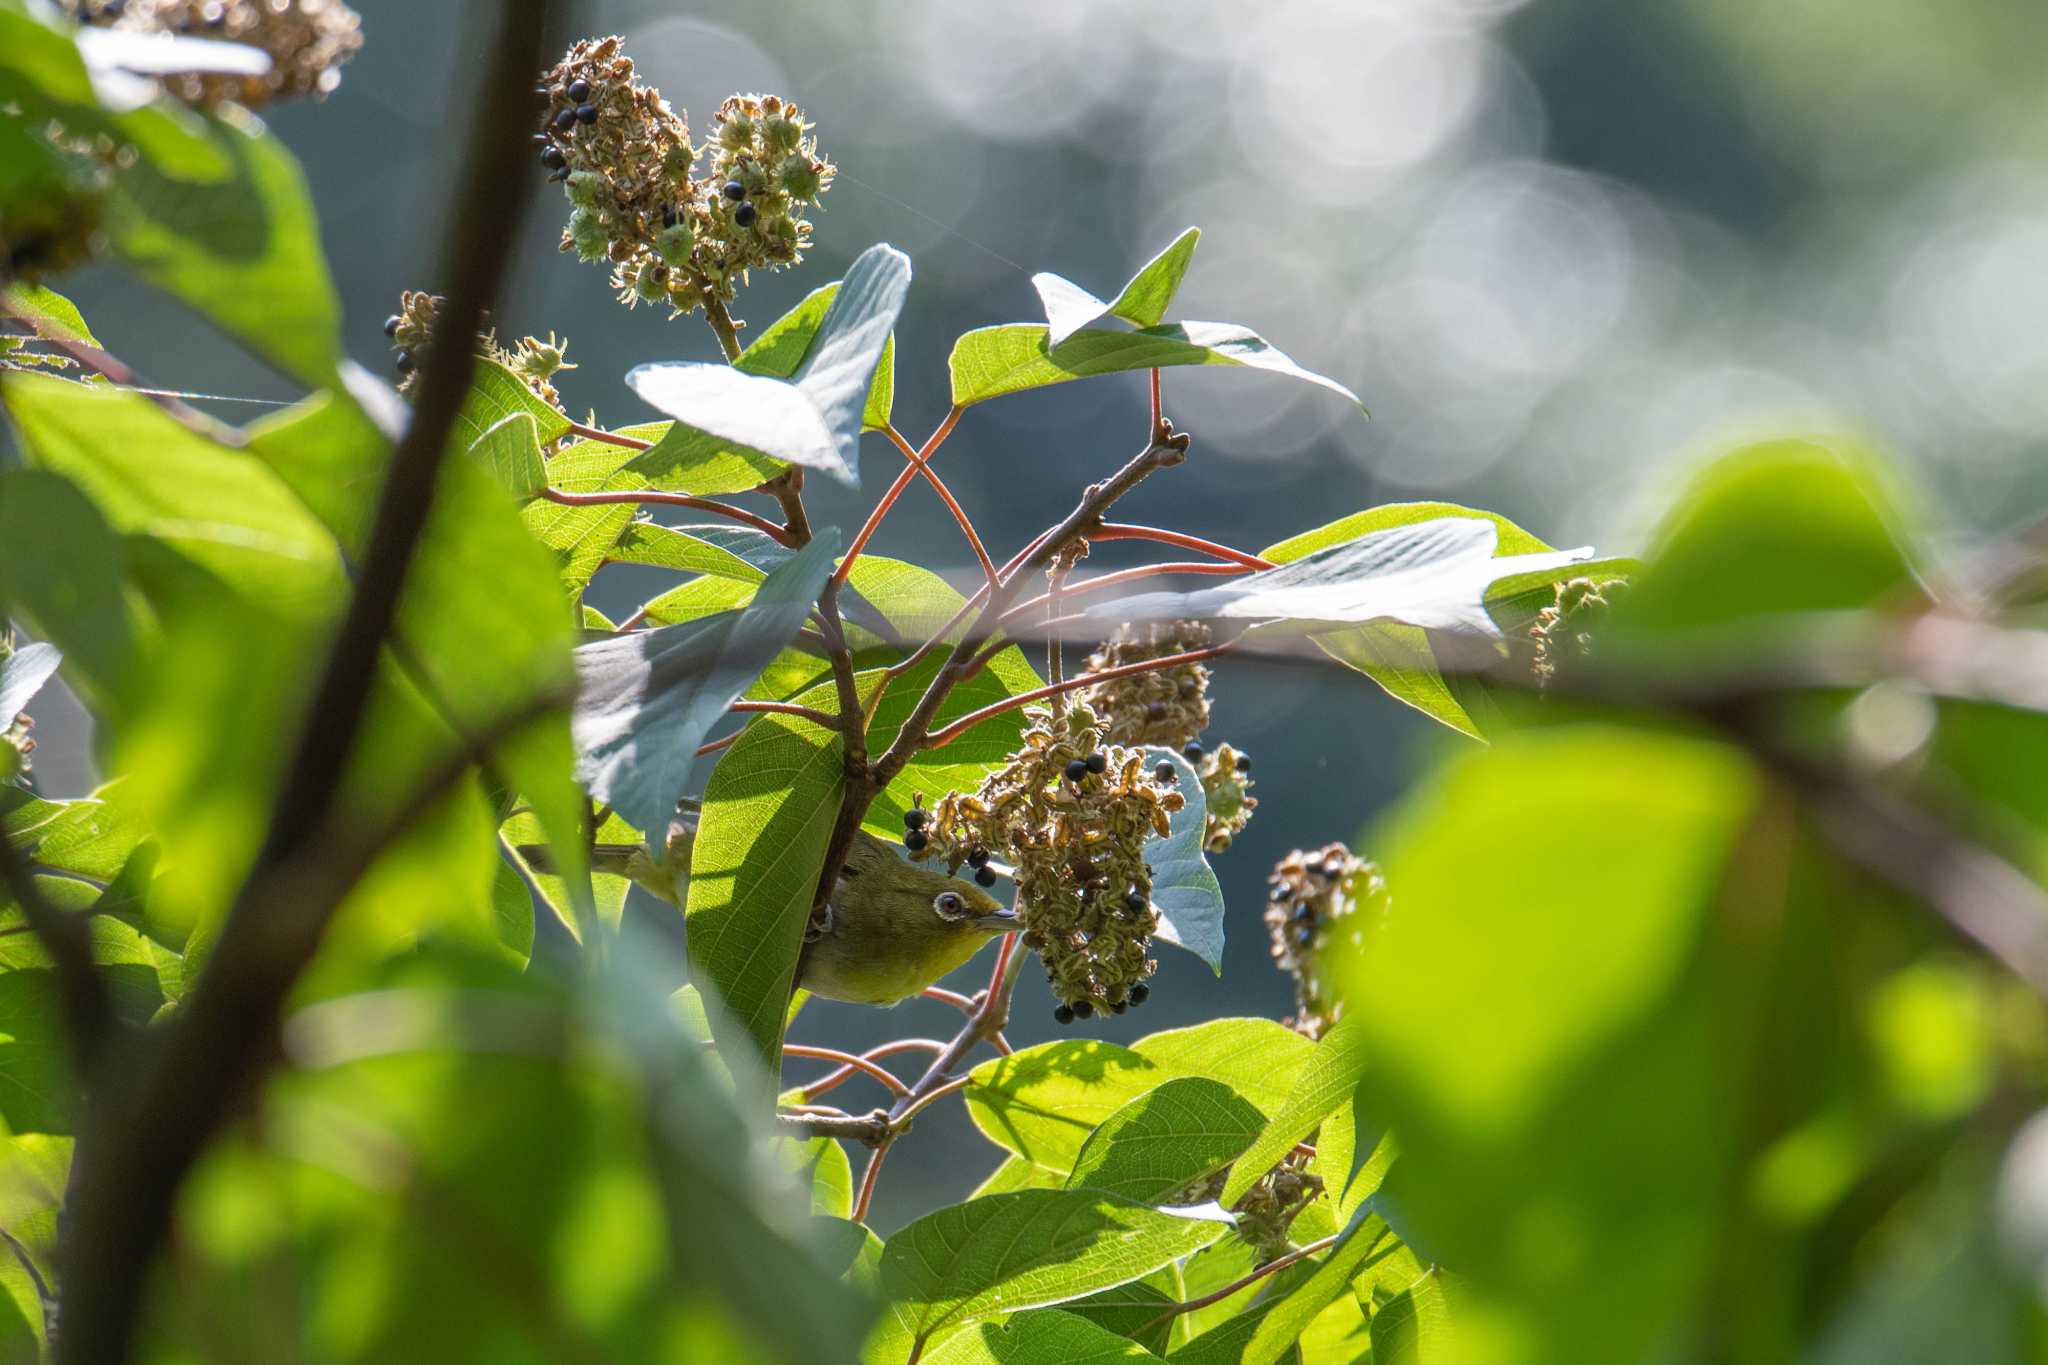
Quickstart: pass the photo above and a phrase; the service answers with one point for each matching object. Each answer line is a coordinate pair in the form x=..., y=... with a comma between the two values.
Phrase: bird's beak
x=1002, y=922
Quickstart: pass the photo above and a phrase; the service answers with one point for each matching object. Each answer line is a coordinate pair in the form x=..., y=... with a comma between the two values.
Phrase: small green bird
x=891, y=927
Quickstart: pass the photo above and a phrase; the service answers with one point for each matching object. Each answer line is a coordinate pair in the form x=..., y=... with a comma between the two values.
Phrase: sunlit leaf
x=993, y=361
x=1143, y=302
x=1332, y=1074
x=1166, y=1139
x=1185, y=891
x=1042, y=1337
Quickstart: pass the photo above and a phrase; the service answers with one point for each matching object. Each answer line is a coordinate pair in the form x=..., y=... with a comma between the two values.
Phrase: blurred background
x=1562, y=249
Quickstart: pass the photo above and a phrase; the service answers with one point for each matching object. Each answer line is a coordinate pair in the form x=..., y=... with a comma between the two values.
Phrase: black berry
x=668, y=215
x=1063, y=1013
x=915, y=817
x=1166, y=772
x=735, y=190
x=579, y=90
x=1139, y=993
x=552, y=158
x=1136, y=902
x=1155, y=710
x=744, y=215
x=1077, y=770
x=1083, y=1010
x=404, y=362
x=977, y=857
x=915, y=840
x=1194, y=751
x=391, y=325
x=1188, y=687
x=1117, y=1007
x=565, y=119
x=1304, y=935
x=1098, y=762
x=985, y=877
x=1305, y=911
x=586, y=113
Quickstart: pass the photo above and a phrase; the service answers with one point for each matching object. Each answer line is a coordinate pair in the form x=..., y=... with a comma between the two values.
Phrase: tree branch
x=665, y=499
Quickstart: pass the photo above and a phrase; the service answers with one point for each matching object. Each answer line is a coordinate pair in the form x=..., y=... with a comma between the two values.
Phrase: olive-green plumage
x=893, y=927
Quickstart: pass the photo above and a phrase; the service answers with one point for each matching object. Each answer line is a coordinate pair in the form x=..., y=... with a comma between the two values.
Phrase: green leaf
x=1415, y=1327
x=61, y=573
x=511, y=451
x=687, y=549
x=584, y=537
x=646, y=699
x=768, y=816
x=821, y=1165
x=1167, y=1139
x=1139, y=1310
x=815, y=418
x=1043, y=1102
x=1595, y=1100
x=243, y=250
x=495, y=394
x=992, y=361
x=1143, y=302
x=1185, y=891
x=51, y=312
x=1333, y=1072
x=34, y=1169
x=1045, y=1337
x=1008, y=1252
x=782, y=345
x=1433, y=574
x=1290, y=1314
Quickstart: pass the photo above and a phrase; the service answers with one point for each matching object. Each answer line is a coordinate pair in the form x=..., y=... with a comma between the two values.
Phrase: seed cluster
x=626, y=163
x=1072, y=813
x=307, y=40
x=1564, y=631
x=1312, y=906
x=534, y=361
x=1170, y=707
x=1268, y=1209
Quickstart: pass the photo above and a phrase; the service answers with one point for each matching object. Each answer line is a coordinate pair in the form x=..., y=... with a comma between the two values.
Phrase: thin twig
x=784, y=708
x=847, y=1061
x=610, y=438
x=832, y=1080
x=960, y=516
x=722, y=326
x=666, y=499
x=1110, y=530
x=953, y=998
x=866, y=1196
x=870, y=1130
x=111, y=368
x=1243, y=1282
x=895, y=491
x=1111, y=580
x=974, y=718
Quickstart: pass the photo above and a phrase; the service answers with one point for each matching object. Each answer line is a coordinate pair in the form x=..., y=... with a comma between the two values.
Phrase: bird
x=889, y=929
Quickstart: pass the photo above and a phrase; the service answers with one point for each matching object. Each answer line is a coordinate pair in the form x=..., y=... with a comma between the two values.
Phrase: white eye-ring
x=949, y=905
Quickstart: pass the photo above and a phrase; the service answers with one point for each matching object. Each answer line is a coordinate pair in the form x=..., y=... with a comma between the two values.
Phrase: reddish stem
x=945, y=495
x=895, y=491
x=610, y=438
x=834, y=1079
x=953, y=998
x=739, y=514
x=974, y=718
x=1158, y=409
x=1110, y=580
x=784, y=708
x=1110, y=530
x=715, y=745
x=867, y=1183
x=1246, y=1281
x=847, y=1062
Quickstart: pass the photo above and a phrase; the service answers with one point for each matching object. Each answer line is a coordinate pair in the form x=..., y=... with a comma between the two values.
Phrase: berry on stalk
x=1098, y=762
x=915, y=840
x=1077, y=770
x=1063, y=1014
x=985, y=876
x=1139, y=993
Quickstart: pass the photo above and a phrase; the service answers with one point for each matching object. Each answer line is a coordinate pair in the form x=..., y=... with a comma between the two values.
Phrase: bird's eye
x=949, y=905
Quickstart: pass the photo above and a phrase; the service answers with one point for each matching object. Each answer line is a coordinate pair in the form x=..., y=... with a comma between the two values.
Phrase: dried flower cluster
x=1565, y=630
x=307, y=41
x=626, y=162
x=1268, y=1209
x=1169, y=706
x=535, y=361
x=1312, y=906
x=1072, y=813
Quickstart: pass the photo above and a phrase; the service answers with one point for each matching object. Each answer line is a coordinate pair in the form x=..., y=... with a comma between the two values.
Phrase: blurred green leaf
x=992, y=361
x=1009, y=1252
x=1592, y=1102
x=1415, y=1327
x=60, y=571
x=768, y=815
x=1143, y=302
x=34, y=1169
x=243, y=251
x=1166, y=1139
x=51, y=312
x=821, y=1164
x=1288, y=1314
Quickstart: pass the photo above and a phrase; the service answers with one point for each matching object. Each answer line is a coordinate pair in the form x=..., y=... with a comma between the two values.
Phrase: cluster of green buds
x=625, y=161
x=536, y=362
x=1564, y=631
x=1268, y=1209
x=1170, y=707
x=307, y=42
x=1071, y=813
x=1313, y=905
